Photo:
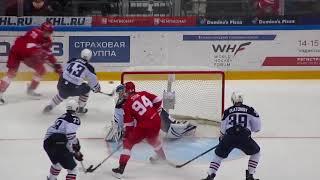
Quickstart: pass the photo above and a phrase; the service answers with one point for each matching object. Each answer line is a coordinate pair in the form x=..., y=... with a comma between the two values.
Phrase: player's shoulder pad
x=71, y=118
x=72, y=60
x=252, y=111
x=90, y=68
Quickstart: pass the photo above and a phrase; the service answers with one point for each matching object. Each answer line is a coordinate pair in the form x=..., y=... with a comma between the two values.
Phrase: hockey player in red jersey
x=34, y=50
x=141, y=121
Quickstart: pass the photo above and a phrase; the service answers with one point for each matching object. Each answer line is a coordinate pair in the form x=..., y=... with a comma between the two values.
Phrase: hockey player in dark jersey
x=237, y=124
x=71, y=82
x=62, y=145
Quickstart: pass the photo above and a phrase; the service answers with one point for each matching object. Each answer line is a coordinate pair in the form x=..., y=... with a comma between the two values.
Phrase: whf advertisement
x=233, y=50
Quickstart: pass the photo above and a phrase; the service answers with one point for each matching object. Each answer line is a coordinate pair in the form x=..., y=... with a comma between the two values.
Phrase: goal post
x=187, y=95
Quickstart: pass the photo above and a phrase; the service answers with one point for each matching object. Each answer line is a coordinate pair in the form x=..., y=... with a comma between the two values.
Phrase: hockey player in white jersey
x=71, y=82
x=237, y=124
x=62, y=144
x=174, y=129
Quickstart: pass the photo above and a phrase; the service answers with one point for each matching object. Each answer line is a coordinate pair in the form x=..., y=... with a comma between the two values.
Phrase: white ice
x=290, y=139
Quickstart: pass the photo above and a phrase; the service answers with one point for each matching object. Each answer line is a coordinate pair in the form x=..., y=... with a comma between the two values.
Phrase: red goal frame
x=123, y=74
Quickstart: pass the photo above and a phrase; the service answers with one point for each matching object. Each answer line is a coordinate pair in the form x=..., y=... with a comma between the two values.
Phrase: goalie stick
x=91, y=168
x=181, y=165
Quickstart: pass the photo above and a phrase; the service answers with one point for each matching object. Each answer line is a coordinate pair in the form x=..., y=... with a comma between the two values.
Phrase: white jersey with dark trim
x=76, y=71
x=66, y=124
x=242, y=115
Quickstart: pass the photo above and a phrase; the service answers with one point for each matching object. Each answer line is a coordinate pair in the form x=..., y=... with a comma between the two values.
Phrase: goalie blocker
x=172, y=128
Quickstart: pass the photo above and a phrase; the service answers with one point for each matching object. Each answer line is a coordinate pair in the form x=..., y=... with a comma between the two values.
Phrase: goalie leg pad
x=116, y=130
x=180, y=129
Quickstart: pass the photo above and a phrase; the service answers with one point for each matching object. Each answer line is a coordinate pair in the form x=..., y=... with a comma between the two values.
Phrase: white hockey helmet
x=71, y=105
x=237, y=97
x=86, y=54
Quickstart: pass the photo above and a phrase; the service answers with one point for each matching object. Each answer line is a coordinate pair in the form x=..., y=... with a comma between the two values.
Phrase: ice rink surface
x=290, y=138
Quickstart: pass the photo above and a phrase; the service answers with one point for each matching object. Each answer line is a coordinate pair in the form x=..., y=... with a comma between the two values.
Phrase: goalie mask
x=120, y=94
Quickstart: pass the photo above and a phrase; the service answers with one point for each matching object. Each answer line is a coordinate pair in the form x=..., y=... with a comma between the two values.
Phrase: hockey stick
x=91, y=169
x=107, y=94
x=181, y=165
x=84, y=168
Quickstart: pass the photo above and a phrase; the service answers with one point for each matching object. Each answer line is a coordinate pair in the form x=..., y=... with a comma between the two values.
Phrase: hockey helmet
x=71, y=105
x=120, y=94
x=47, y=27
x=237, y=97
x=130, y=87
x=86, y=54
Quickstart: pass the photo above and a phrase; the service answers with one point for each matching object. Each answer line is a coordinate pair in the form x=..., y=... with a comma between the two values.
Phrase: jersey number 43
x=141, y=108
x=75, y=69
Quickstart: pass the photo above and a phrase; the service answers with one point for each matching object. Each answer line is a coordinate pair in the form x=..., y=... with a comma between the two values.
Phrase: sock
x=83, y=100
x=4, y=84
x=35, y=82
x=71, y=177
x=54, y=171
x=253, y=163
x=125, y=156
x=214, y=164
x=161, y=153
x=72, y=174
x=56, y=100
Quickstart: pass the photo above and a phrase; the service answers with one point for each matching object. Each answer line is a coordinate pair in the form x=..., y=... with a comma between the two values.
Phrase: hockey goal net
x=187, y=95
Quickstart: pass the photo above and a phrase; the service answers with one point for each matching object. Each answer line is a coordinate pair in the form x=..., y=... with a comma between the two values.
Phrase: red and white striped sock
x=253, y=163
x=71, y=177
x=54, y=171
x=83, y=100
x=56, y=100
x=214, y=164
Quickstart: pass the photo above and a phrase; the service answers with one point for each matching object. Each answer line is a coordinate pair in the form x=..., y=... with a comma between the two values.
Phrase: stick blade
x=90, y=169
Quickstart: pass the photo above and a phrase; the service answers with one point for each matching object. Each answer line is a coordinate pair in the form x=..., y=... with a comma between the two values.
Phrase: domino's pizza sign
x=106, y=49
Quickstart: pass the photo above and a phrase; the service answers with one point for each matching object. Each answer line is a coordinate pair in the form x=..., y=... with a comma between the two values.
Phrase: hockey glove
x=76, y=147
x=97, y=88
x=221, y=137
x=57, y=68
x=78, y=156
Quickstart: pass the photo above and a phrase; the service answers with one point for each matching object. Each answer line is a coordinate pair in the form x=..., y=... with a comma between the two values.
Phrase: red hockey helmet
x=130, y=87
x=47, y=26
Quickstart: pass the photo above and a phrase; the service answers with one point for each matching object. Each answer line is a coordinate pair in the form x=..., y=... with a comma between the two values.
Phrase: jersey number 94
x=141, y=108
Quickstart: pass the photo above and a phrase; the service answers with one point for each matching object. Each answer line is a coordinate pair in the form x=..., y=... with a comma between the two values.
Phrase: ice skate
x=156, y=159
x=2, y=100
x=51, y=178
x=118, y=172
x=209, y=177
x=82, y=110
x=47, y=109
x=32, y=93
x=249, y=176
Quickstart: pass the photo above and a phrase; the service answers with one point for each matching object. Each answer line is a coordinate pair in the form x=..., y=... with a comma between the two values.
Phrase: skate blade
x=116, y=175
